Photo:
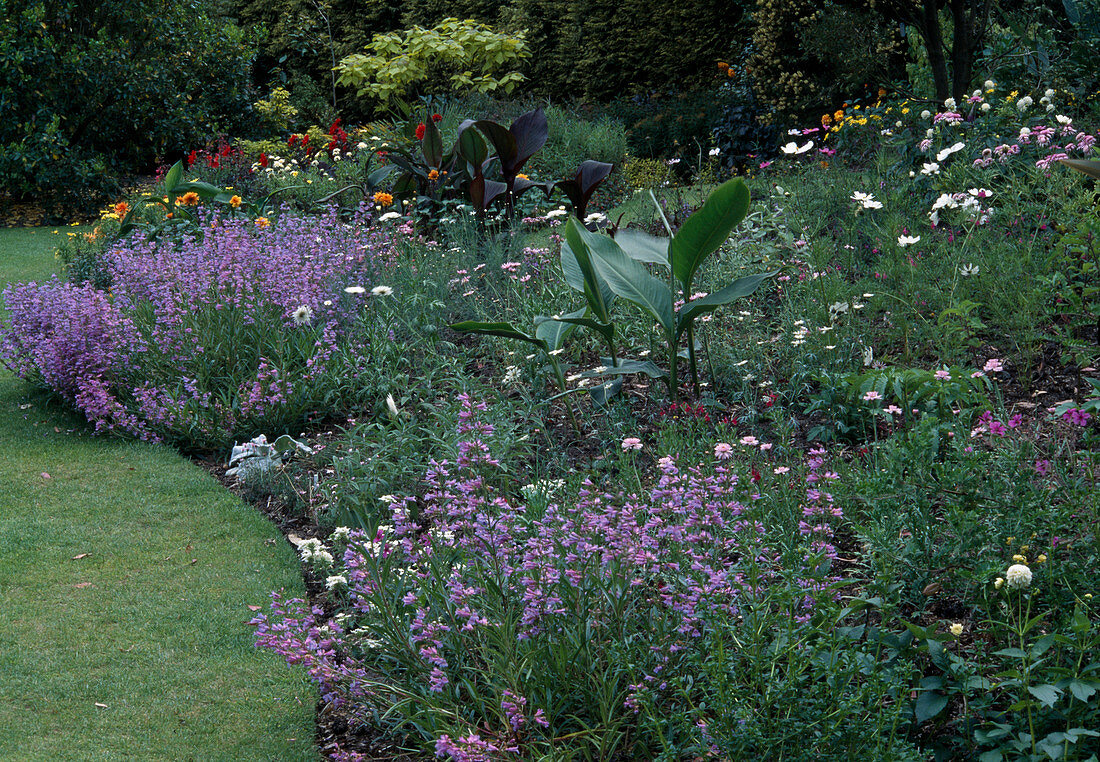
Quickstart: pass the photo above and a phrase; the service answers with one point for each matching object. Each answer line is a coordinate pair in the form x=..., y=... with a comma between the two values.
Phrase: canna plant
x=173, y=193
x=550, y=335
x=617, y=265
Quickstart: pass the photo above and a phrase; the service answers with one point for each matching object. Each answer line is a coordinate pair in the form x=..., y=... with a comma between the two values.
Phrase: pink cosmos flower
x=993, y=366
x=872, y=396
x=723, y=451
x=632, y=443
x=943, y=375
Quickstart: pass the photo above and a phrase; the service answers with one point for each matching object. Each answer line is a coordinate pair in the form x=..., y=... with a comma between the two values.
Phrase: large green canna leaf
x=642, y=246
x=554, y=331
x=506, y=330
x=703, y=232
x=607, y=330
x=626, y=277
x=173, y=176
x=576, y=263
x=1090, y=167
x=740, y=288
x=470, y=145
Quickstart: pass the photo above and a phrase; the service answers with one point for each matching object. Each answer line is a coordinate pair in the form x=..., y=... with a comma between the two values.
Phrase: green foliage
x=452, y=56
x=276, y=111
x=602, y=49
x=89, y=93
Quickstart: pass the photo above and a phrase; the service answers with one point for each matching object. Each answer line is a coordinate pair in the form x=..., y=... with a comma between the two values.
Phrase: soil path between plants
x=126, y=577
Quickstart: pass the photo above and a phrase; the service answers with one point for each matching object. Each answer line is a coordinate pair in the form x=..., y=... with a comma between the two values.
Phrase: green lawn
x=139, y=649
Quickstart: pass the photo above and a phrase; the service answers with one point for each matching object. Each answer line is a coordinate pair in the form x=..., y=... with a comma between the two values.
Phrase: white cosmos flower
x=908, y=240
x=389, y=216
x=945, y=200
x=381, y=291
x=949, y=150
x=355, y=290
x=968, y=269
x=793, y=148
x=556, y=213
x=1062, y=119
x=930, y=168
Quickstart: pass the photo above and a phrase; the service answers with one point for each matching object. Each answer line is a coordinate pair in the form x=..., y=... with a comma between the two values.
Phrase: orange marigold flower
x=190, y=198
x=722, y=65
x=839, y=115
x=826, y=120
x=383, y=199
x=433, y=175
x=882, y=92
x=121, y=209
x=235, y=202
x=261, y=222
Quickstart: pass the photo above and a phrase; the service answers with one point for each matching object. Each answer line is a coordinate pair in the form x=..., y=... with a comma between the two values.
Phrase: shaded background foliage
x=92, y=91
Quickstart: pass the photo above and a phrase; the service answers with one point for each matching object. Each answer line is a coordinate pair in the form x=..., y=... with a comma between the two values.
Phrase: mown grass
x=139, y=649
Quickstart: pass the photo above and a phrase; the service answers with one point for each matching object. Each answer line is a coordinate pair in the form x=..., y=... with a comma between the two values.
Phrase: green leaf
x=576, y=260
x=1046, y=694
x=627, y=278
x=173, y=176
x=707, y=229
x=929, y=704
x=740, y=288
x=432, y=145
x=1090, y=167
x=642, y=246
x=505, y=330
x=1081, y=691
x=602, y=393
x=607, y=330
x=555, y=331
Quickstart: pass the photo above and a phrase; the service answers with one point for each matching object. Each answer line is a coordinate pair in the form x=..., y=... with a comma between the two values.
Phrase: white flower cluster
x=313, y=552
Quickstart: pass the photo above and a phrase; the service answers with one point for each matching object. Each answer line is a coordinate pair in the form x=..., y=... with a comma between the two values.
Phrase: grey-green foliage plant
x=618, y=266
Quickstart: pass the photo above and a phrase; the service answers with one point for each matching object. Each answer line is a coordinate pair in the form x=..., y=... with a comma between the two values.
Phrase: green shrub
x=113, y=90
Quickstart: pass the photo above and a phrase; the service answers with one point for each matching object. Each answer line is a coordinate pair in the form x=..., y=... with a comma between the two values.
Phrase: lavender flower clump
x=537, y=612
x=200, y=340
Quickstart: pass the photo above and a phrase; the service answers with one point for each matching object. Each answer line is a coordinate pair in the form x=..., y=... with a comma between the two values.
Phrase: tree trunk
x=933, y=43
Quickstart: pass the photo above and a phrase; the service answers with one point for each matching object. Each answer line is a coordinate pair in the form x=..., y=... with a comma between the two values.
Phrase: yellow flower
x=235, y=202
x=997, y=583
x=522, y=176
x=383, y=199
x=261, y=222
x=956, y=629
x=1042, y=558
